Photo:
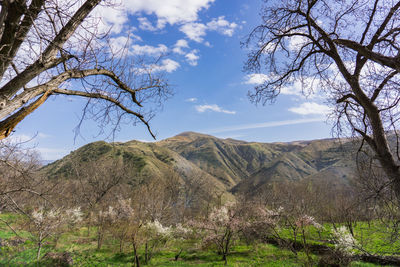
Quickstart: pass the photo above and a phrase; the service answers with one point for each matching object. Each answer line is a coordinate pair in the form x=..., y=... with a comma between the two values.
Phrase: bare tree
x=20, y=182
x=46, y=46
x=347, y=49
x=24, y=191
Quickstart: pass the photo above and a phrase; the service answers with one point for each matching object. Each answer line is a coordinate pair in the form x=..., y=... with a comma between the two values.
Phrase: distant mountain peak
x=187, y=136
x=194, y=134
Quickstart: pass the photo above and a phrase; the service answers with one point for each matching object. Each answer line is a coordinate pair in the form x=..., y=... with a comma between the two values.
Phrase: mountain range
x=226, y=164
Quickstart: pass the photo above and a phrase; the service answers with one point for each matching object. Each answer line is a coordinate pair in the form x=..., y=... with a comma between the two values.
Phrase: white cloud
x=149, y=50
x=295, y=42
x=146, y=25
x=113, y=18
x=308, y=108
x=305, y=87
x=192, y=99
x=255, y=78
x=192, y=57
x=178, y=47
x=264, y=125
x=222, y=26
x=269, y=48
x=181, y=12
x=171, y=11
x=194, y=31
x=215, y=108
x=119, y=44
x=294, y=89
x=167, y=65
x=309, y=84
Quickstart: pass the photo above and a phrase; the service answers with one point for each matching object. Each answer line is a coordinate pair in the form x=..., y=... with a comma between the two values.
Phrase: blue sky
x=204, y=63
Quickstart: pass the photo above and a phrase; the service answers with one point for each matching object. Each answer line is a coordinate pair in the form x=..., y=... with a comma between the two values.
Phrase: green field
x=83, y=249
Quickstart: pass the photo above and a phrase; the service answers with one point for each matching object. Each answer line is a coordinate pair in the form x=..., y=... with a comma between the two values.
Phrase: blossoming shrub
x=45, y=223
x=220, y=229
x=344, y=241
x=155, y=237
x=182, y=238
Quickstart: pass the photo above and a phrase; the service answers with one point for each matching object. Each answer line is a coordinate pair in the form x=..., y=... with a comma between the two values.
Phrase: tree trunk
x=99, y=238
x=178, y=254
x=136, y=257
x=89, y=225
x=121, y=245
x=146, y=254
x=225, y=259
x=38, y=251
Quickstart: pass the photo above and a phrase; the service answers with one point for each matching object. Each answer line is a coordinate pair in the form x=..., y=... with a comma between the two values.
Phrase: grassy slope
x=245, y=166
x=148, y=160
x=83, y=249
x=226, y=163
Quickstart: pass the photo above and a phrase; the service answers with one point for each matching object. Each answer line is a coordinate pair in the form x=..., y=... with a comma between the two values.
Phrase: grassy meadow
x=82, y=246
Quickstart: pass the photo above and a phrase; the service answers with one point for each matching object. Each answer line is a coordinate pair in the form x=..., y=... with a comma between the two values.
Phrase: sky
x=204, y=66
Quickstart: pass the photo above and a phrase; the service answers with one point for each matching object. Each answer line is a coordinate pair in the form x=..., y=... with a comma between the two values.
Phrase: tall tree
x=45, y=46
x=348, y=49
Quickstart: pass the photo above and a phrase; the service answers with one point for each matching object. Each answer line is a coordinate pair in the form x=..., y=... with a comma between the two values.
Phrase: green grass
x=83, y=248
x=263, y=255
x=374, y=237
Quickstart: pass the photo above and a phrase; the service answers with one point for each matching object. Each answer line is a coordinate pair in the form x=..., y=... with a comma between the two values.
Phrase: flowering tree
x=116, y=220
x=220, y=229
x=123, y=215
x=155, y=235
x=104, y=219
x=43, y=223
x=182, y=237
x=261, y=223
x=344, y=240
x=303, y=223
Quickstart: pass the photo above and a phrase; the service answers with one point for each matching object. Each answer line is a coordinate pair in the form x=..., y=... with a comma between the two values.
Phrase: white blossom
x=306, y=220
x=344, y=240
x=74, y=215
x=157, y=228
x=219, y=215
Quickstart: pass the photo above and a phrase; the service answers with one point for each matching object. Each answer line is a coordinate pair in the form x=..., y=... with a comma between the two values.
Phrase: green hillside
x=144, y=161
x=226, y=164
x=246, y=166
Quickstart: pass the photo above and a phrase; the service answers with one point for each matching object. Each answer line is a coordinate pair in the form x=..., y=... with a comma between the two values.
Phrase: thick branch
x=345, y=97
x=47, y=59
x=382, y=27
x=391, y=62
x=7, y=125
x=13, y=11
x=10, y=49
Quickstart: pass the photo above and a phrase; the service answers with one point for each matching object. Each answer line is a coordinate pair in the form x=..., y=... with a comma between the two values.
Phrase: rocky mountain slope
x=227, y=164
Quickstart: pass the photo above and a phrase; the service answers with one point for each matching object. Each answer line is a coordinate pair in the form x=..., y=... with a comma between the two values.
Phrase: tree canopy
x=349, y=51
x=51, y=47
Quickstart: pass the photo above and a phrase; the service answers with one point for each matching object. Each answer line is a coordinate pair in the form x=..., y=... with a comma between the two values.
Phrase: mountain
x=246, y=166
x=226, y=164
x=145, y=160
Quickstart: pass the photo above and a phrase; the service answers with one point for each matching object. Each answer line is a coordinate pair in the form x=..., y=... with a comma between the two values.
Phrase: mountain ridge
x=228, y=164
